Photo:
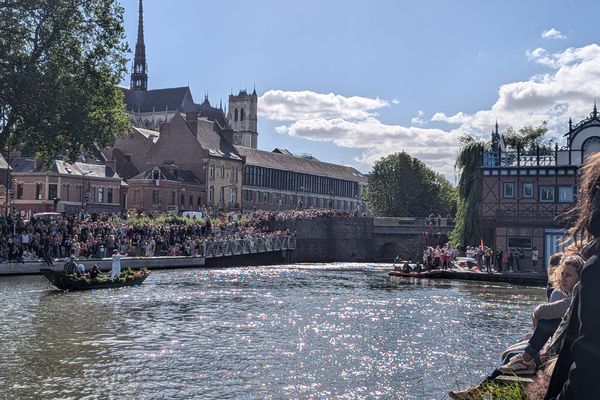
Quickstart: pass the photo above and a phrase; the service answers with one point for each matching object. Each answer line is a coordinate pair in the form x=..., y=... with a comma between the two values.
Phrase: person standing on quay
x=575, y=376
x=534, y=257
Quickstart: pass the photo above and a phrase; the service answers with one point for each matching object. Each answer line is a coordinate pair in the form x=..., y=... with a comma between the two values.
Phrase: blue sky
x=352, y=81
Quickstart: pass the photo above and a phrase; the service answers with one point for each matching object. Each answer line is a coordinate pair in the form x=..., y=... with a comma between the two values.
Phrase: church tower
x=139, y=74
x=242, y=118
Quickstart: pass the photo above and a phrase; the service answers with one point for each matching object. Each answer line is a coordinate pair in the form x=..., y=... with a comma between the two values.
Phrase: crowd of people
x=439, y=257
x=87, y=236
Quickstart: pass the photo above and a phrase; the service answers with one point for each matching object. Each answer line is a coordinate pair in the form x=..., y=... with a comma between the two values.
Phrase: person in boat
x=116, y=264
x=405, y=267
x=80, y=269
x=70, y=267
x=94, y=272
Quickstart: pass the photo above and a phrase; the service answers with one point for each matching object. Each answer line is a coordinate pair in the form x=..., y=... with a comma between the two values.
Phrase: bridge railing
x=423, y=222
x=235, y=247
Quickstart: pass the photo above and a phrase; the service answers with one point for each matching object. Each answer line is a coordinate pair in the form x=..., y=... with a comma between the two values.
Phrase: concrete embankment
x=105, y=264
x=163, y=262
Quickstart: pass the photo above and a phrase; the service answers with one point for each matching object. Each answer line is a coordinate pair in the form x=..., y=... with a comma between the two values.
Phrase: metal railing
x=225, y=248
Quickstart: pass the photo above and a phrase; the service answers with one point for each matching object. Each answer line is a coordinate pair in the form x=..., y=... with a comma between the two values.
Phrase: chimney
x=164, y=128
x=191, y=119
x=112, y=164
x=228, y=135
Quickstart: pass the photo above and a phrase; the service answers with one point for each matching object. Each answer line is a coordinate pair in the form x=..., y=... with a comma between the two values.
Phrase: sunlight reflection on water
x=338, y=330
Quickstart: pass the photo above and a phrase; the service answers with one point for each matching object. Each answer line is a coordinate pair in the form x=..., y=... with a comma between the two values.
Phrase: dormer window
x=156, y=174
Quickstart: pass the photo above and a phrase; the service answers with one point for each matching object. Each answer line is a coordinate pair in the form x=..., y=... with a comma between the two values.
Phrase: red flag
x=481, y=243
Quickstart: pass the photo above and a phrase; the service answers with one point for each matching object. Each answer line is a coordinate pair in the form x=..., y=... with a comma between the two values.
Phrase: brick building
x=66, y=187
x=526, y=194
x=166, y=188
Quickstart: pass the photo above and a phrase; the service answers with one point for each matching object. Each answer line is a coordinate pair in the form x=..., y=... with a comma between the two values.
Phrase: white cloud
x=281, y=105
x=553, y=33
x=418, y=119
x=395, y=101
x=566, y=90
x=458, y=118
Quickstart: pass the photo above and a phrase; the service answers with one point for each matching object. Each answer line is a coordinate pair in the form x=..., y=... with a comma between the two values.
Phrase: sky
x=350, y=82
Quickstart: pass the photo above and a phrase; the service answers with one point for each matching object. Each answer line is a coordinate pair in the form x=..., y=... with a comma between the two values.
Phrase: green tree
x=401, y=185
x=528, y=138
x=468, y=230
x=60, y=62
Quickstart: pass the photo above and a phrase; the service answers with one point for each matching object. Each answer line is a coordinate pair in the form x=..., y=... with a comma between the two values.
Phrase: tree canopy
x=401, y=185
x=528, y=138
x=60, y=62
x=468, y=230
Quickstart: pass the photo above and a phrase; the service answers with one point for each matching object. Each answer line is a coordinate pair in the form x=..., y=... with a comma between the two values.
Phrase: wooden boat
x=413, y=274
x=71, y=282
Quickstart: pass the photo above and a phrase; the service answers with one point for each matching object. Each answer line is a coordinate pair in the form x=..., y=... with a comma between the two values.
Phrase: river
x=344, y=331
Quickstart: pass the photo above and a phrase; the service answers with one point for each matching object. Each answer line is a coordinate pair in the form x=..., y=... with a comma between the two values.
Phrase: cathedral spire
x=139, y=75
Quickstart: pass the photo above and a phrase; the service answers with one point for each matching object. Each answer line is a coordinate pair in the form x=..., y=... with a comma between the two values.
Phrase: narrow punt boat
x=413, y=274
x=71, y=282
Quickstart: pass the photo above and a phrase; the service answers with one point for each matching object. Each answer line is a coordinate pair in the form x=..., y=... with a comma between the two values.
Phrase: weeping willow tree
x=469, y=230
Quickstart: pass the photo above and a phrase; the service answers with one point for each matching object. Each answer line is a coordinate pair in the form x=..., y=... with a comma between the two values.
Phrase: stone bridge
x=379, y=239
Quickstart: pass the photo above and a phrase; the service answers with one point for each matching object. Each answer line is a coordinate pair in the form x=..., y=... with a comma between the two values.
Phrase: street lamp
x=301, y=188
x=182, y=198
x=83, y=174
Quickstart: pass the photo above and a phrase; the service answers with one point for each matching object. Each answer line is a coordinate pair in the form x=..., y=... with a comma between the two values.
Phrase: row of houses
x=190, y=163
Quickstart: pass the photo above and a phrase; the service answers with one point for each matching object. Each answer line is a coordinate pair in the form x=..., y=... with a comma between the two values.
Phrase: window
x=109, y=195
x=20, y=191
x=67, y=195
x=522, y=243
x=211, y=195
x=222, y=171
x=52, y=191
x=242, y=114
x=155, y=174
x=191, y=200
x=38, y=191
x=565, y=194
x=222, y=193
x=547, y=194
x=528, y=190
x=233, y=196
x=266, y=197
x=100, y=195
x=182, y=199
x=235, y=115
x=173, y=198
x=508, y=190
x=155, y=197
x=211, y=171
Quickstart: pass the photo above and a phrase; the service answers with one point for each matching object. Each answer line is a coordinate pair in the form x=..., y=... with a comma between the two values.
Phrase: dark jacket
x=575, y=376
